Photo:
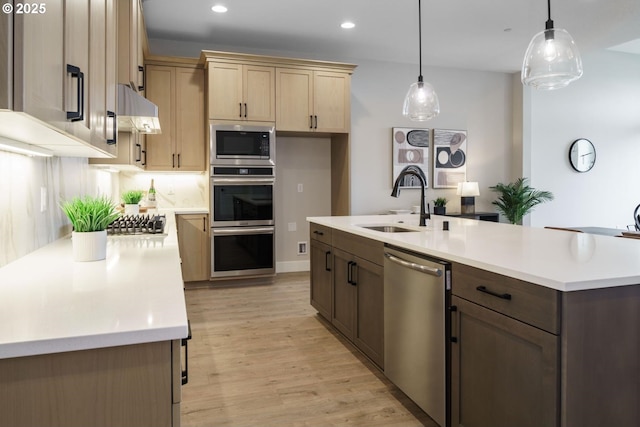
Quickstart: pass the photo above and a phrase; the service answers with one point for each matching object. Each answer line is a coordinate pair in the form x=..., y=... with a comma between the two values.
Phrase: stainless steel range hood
x=136, y=112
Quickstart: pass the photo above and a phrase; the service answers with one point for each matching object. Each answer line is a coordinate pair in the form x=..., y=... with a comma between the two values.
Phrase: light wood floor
x=262, y=356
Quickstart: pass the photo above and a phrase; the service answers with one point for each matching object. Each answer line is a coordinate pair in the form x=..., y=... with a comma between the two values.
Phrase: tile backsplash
x=31, y=189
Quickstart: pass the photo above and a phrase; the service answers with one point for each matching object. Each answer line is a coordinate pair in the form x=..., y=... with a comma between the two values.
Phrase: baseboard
x=292, y=266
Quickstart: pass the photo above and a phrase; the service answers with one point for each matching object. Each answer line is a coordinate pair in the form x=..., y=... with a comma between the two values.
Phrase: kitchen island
x=93, y=343
x=544, y=324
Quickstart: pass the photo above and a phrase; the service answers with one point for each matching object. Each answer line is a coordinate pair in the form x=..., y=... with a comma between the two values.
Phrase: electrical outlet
x=292, y=226
x=300, y=188
x=302, y=248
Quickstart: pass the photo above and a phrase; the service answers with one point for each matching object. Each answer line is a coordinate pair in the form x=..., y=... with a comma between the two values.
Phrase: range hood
x=136, y=112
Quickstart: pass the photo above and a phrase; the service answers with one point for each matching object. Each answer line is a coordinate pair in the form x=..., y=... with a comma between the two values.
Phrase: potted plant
x=131, y=201
x=439, y=207
x=517, y=199
x=90, y=217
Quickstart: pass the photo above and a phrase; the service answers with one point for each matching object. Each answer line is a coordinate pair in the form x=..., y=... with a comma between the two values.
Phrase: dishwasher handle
x=412, y=265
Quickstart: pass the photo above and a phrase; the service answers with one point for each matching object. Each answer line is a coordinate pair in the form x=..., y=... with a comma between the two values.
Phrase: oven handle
x=242, y=230
x=243, y=181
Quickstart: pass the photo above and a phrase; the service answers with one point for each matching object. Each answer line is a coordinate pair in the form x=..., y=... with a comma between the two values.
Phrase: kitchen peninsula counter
x=556, y=259
x=51, y=304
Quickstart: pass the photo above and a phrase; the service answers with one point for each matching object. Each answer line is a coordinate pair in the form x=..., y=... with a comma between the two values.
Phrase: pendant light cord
x=420, y=37
x=549, y=23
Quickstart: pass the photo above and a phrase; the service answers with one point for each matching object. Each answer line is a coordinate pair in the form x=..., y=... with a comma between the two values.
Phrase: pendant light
x=552, y=60
x=421, y=102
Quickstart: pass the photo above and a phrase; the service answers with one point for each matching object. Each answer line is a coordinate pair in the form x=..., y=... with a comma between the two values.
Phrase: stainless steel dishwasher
x=416, y=329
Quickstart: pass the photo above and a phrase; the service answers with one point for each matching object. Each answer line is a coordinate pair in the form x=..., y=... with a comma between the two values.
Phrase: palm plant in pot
x=90, y=217
x=517, y=199
x=131, y=201
x=439, y=207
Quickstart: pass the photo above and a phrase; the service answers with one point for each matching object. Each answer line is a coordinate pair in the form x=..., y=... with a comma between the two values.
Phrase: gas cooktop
x=138, y=224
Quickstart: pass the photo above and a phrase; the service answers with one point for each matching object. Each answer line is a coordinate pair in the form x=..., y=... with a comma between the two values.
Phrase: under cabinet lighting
x=347, y=25
x=219, y=8
x=23, y=148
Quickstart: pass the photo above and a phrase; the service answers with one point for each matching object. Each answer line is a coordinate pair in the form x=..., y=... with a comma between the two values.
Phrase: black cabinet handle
x=114, y=128
x=310, y=122
x=144, y=78
x=327, y=257
x=316, y=126
x=240, y=105
x=319, y=233
x=76, y=73
x=204, y=223
x=245, y=110
x=144, y=162
x=350, y=267
x=139, y=154
x=453, y=309
x=178, y=160
x=484, y=289
x=173, y=160
x=185, y=371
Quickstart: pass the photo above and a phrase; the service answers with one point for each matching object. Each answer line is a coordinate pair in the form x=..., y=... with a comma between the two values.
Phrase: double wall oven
x=242, y=209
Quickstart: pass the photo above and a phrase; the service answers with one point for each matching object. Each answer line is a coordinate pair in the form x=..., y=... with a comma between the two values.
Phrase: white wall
x=480, y=102
x=604, y=107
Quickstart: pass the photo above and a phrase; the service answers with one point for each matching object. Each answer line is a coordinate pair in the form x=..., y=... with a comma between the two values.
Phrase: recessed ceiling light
x=219, y=8
x=347, y=25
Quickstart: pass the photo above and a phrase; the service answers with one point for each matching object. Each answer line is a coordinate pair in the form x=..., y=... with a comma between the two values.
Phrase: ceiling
x=487, y=35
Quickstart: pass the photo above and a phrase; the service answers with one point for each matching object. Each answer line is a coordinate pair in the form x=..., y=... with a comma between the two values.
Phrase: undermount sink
x=388, y=228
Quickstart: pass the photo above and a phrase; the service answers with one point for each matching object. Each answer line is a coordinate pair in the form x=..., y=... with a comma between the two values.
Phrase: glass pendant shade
x=552, y=60
x=421, y=102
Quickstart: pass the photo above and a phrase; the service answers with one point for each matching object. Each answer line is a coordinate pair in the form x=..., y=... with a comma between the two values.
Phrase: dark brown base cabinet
x=356, y=289
x=525, y=355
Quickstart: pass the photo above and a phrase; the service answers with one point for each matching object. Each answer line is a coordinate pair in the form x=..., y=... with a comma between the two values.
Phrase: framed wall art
x=449, y=157
x=411, y=147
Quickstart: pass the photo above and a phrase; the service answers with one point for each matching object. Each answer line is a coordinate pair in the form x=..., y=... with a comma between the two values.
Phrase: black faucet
x=417, y=172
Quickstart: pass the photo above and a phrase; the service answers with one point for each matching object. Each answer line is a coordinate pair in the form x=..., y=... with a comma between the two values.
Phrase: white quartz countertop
x=557, y=259
x=50, y=304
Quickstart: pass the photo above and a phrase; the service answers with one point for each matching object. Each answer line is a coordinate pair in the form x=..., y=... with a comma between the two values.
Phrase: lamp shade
x=468, y=189
x=552, y=60
x=421, y=102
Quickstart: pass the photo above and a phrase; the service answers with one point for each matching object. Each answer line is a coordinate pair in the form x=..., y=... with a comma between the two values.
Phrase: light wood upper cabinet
x=131, y=37
x=313, y=101
x=241, y=92
x=179, y=94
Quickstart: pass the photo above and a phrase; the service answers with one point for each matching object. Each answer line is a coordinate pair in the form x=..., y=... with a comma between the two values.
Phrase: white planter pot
x=91, y=246
x=132, y=209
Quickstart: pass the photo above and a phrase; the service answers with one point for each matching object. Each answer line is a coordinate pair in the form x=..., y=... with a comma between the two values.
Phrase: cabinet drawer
x=527, y=302
x=368, y=249
x=320, y=232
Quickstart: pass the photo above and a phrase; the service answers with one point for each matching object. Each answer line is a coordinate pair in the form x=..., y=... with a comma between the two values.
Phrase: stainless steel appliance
x=237, y=144
x=416, y=329
x=242, y=221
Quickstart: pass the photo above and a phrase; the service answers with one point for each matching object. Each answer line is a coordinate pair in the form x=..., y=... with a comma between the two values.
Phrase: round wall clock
x=582, y=155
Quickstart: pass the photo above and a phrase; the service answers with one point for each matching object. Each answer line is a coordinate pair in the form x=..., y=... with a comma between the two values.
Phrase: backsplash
x=23, y=227
x=173, y=190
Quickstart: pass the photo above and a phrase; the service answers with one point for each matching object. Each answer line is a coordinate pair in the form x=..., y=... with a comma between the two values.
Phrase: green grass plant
x=89, y=213
x=132, y=197
x=440, y=202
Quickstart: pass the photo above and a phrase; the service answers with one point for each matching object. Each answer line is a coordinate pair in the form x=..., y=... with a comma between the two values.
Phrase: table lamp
x=467, y=192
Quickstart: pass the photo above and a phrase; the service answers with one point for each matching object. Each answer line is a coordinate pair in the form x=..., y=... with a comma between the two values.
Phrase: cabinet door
x=504, y=373
x=225, y=91
x=259, y=101
x=76, y=54
x=193, y=243
x=344, y=293
x=294, y=108
x=39, y=65
x=161, y=91
x=332, y=102
x=111, y=73
x=189, y=111
x=321, y=278
x=369, y=330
